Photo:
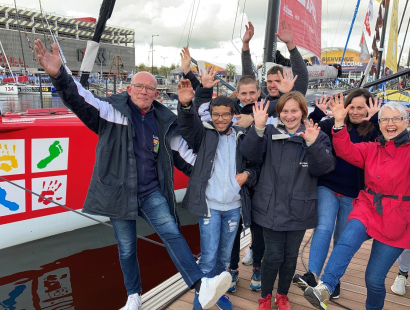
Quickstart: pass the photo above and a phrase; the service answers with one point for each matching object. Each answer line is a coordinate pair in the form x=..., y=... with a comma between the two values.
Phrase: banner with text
x=305, y=16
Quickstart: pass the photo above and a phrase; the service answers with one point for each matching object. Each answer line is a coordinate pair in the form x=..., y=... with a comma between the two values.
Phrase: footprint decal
x=7, y=161
x=10, y=303
x=55, y=150
x=12, y=206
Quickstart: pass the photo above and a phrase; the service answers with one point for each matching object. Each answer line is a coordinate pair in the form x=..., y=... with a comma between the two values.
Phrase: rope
x=192, y=27
x=179, y=43
x=233, y=29
x=79, y=213
x=243, y=14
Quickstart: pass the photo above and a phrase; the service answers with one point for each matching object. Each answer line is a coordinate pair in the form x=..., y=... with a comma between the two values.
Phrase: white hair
x=395, y=105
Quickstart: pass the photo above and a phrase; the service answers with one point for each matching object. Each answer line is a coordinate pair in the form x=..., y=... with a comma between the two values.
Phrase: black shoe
x=336, y=292
x=308, y=279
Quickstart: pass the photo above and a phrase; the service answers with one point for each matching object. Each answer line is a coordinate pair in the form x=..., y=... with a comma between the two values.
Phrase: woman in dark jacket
x=337, y=189
x=293, y=156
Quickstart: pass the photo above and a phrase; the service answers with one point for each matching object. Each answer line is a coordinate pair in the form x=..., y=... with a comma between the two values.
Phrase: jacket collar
x=164, y=116
x=239, y=130
x=280, y=126
x=399, y=140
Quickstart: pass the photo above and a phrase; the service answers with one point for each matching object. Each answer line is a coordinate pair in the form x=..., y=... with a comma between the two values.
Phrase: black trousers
x=258, y=246
x=281, y=254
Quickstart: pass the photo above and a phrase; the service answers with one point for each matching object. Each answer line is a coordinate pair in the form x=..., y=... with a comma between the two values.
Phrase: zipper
x=226, y=172
x=172, y=172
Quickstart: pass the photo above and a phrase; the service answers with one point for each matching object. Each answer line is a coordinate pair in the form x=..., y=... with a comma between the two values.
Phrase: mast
x=348, y=36
x=270, y=45
x=379, y=62
x=405, y=36
x=21, y=42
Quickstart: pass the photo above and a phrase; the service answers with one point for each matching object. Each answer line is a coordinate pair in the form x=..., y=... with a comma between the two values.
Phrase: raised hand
x=208, y=79
x=336, y=105
x=322, y=104
x=250, y=31
x=285, y=84
x=375, y=105
x=311, y=131
x=185, y=60
x=244, y=120
x=285, y=34
x=185, y=92
x=51, y=63
x=260, y=114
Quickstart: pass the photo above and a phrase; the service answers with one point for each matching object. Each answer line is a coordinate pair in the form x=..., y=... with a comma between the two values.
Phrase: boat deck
x=353, y=289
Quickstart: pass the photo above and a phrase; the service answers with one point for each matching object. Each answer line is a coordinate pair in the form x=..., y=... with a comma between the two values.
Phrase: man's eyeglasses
x=225, y=115
x=140, y=87
x=395, y=119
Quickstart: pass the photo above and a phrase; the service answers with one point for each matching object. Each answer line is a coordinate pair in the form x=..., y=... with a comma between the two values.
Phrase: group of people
x=257, y=161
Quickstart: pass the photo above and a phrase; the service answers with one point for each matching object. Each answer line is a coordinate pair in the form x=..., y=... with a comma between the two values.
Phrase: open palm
x=260, y=114
x=185, y=92
x=311, y=132
x=50, y=62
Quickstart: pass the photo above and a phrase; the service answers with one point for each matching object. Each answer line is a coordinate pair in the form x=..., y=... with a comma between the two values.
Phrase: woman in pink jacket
x=381, y=211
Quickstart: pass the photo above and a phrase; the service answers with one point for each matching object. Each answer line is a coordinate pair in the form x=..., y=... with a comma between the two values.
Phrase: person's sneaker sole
x=300, y=283
x=255, y=287
x=222, y=287
x=313, y=300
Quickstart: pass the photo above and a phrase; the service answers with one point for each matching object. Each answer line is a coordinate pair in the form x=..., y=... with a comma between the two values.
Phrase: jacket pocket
x=303, y=205
x=394, y=220
x=195, y=187
x=108, y=200
x=261, y=198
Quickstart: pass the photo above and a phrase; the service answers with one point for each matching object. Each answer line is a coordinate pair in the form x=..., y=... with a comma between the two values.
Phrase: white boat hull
x=34, y=90
x=8, y=90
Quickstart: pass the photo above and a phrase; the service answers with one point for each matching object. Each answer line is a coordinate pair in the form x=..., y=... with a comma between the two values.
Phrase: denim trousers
x=217, y=236
x=258, y=246
x=382, y=257
x=330, y=208
x=154, y=209
x=404, y=261
x=281, y=255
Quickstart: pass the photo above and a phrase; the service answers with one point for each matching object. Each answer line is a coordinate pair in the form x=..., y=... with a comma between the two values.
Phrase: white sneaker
x=399, y=285
x=213, y=288
x=248, y=259
x=133, y=302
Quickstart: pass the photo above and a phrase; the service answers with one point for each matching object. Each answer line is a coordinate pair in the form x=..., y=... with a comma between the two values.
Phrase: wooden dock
x=353, y=289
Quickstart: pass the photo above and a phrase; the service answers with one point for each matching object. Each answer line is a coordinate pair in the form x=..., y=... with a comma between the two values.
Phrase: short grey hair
x=395, y=105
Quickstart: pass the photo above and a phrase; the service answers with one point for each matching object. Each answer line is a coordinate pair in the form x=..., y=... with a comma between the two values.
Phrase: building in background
x=117, y=50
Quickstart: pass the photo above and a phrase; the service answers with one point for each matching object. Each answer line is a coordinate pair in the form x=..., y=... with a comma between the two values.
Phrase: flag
x=370, y=10
x=150, y=46
x=377, y=35
x=367, y=24
x=364, y=51
x=379, y=20
x=391, y=56
x=375, y=49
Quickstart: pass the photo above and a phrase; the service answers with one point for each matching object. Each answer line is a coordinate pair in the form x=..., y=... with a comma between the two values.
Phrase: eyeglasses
x=225, y=115
x=395, y=119
x=140, y=87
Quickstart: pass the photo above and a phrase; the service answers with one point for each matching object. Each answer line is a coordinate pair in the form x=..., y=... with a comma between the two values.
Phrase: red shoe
x=265, y=303
x=282, y=301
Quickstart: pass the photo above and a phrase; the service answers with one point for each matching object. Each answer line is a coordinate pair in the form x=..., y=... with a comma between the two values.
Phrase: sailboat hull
x=8, y=90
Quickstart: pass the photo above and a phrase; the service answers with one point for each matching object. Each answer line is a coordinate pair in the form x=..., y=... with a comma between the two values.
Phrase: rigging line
x=233, y=29
x=180, y=39
x=193, y=25
x=340, y=17
x=243, y=13
x=190, y=24
x=79, y=213
x=346, y=27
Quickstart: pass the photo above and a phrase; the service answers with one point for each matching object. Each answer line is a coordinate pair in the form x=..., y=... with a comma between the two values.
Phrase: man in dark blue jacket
x=133, y=172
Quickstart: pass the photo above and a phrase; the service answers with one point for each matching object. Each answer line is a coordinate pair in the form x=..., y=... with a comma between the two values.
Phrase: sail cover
x=305, y=16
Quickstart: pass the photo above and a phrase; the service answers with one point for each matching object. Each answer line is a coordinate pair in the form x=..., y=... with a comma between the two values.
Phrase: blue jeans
x=217, y=236
x=382, y=257
x=154, y=209
x=331, y=209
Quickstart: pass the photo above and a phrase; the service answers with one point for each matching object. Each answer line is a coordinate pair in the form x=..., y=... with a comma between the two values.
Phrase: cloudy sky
x=211, y=27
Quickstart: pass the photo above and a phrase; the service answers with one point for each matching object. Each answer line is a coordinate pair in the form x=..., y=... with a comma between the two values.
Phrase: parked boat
x=52, y=153
x=8, y=89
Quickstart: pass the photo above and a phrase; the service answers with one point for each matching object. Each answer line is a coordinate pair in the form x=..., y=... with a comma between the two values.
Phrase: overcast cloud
x=213, y=26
